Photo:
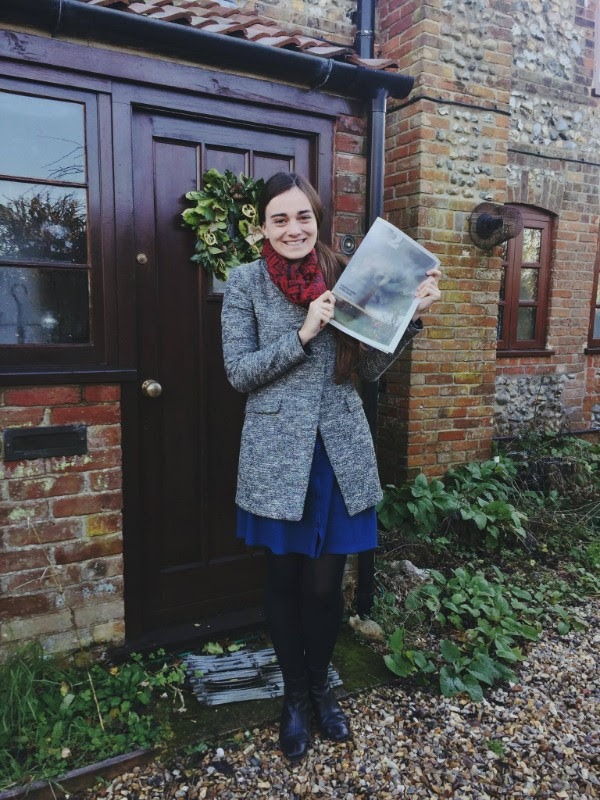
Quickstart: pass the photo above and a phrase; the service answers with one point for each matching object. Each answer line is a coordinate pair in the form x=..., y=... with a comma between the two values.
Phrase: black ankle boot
x=294, y=731
x=330, y=717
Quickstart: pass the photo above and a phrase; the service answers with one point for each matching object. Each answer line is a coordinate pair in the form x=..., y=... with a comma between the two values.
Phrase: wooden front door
x=191, y=567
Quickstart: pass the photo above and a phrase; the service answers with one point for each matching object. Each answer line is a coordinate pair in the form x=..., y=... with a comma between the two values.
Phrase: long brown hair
x=332, y=264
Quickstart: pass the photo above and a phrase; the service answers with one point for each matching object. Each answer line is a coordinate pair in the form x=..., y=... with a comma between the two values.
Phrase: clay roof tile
x=242, y=22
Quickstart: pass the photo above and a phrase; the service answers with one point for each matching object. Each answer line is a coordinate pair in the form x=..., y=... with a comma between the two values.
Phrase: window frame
x=95, y=354
x=594, y=343
x=512, y=264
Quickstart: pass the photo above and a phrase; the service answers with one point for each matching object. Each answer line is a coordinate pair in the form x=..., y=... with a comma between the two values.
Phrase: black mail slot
x=55, y=440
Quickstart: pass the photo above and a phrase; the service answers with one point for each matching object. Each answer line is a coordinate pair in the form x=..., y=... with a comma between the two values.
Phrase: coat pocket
x=263, y=405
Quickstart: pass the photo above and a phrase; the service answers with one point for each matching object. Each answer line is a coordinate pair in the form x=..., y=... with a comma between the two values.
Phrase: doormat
x=234, y=677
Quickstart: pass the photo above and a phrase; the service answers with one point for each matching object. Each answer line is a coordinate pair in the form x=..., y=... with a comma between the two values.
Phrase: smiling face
x=290, y=224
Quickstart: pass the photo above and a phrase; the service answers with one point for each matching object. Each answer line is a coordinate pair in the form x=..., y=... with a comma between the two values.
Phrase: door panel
x=192, y=565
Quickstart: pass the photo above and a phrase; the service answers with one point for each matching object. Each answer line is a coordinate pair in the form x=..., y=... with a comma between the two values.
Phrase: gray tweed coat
x=291, y=393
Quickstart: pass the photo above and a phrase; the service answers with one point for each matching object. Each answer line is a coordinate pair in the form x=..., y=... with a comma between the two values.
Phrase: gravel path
x=538, y=739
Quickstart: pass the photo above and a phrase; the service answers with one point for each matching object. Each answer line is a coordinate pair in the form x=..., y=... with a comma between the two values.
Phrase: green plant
x=56, y=716
x=386, y=610
x=496, y=746
x=563, y=463
x=418, y=509
x=487, y=620
x=224, y=219
x=472, y=503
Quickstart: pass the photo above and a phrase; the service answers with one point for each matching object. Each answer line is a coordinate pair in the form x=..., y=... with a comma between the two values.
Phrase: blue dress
x=325, y=527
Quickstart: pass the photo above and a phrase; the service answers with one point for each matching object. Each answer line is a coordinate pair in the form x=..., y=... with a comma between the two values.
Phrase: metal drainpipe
x=365, y=20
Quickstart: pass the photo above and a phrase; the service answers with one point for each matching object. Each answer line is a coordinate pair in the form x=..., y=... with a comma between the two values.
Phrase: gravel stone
x=539, y=738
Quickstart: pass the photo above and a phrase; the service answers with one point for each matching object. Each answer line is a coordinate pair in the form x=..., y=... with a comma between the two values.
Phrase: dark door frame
x=322, y=131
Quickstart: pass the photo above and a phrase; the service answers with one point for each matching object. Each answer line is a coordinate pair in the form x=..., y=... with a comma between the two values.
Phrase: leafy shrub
x=487, y=621
x=565, y=464
x=471, y=505
x=56, y=717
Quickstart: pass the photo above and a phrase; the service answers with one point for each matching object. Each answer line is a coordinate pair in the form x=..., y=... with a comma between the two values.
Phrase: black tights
x=304, y=606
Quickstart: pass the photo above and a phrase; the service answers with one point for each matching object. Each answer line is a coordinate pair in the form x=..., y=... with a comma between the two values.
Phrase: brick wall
x=501, y=111
x=350, y=177
x=60, y=521
x=446, y=152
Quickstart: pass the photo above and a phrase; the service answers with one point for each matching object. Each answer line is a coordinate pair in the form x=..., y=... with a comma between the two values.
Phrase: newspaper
x=375, y=294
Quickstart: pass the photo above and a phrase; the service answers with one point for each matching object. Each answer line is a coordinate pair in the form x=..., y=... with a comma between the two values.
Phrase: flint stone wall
x=530, y=403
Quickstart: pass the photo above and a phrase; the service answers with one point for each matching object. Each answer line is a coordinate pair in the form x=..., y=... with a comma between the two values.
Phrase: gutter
x=81, y=20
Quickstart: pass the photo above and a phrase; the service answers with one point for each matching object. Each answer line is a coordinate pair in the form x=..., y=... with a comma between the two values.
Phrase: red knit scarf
x=300, y=281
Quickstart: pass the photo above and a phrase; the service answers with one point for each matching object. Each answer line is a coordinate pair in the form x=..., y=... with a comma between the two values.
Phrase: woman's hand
x=428, y=291
x=320, y=311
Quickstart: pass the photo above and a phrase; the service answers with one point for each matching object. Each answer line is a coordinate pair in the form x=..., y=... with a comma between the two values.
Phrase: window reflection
x=532, y=245
x=44, y=306
x=44, y=297
x=526, y=323
x=596, y=334
x=42, y=138
x=503, y=284
x=42, y=223
x=529, y=284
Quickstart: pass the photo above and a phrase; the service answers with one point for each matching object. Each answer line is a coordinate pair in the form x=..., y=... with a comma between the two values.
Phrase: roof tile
x=242, y=22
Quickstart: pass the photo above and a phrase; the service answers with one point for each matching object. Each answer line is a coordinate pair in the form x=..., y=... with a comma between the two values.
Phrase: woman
x=307, y=478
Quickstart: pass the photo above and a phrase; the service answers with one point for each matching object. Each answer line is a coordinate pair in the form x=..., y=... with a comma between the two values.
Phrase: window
x=594, y=335
x=50, y=251
x=523, y=304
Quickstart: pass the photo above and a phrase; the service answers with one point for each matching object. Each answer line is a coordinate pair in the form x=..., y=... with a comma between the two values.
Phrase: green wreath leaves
x=224, y=218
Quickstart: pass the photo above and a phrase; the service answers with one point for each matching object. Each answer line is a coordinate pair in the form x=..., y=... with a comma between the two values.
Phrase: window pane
x=529, y=284
x=596, y=334
x=500, y=322
x=526, y=324
x=44, y=306
x=532, y=245
x=41, y=138
x=44, y=223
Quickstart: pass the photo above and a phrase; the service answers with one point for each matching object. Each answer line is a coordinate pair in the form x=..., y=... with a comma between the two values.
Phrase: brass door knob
x=151, y=388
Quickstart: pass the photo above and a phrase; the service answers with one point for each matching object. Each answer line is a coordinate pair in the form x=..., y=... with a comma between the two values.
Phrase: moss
x=359, y=666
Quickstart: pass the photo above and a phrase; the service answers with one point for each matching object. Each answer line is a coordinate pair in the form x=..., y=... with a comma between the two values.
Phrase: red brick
x=21, y=560
x=48, y=486
x=97, y=548
x=16, y=513
x=44, y=531
x=450, y=436
x=105, y=480
x=101, y=394
x=42, y=396
x=102, y=524
x=101, y=436
x=76, y=506
x=101, y=459
x=91, y=415
x=21, y=417
x=25, y=605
